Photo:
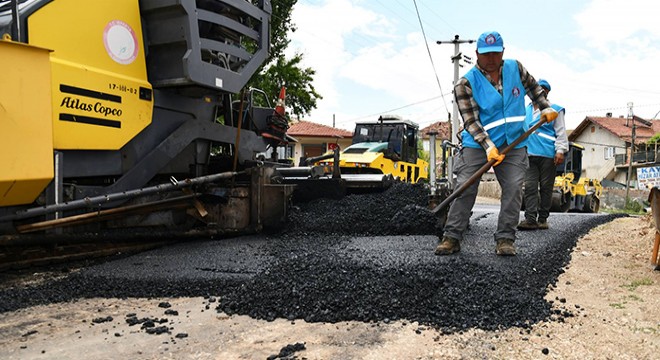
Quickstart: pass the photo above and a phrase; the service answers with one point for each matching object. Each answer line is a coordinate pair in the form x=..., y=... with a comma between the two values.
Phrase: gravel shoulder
x=609, y=286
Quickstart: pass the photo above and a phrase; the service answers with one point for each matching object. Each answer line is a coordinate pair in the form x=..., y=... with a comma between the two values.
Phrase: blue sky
x=371, y=56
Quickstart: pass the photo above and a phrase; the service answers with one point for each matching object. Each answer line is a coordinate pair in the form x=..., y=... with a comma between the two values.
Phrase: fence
x=649, y=154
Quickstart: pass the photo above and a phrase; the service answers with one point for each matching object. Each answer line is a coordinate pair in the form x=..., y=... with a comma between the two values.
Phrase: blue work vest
x=502, y=115
x=542, y=141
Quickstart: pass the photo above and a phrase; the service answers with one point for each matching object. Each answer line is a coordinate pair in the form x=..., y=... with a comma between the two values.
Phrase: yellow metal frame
x=26, y=149
x=564, y=183
x=98, y=71
x=378, y=161
x=581, y=187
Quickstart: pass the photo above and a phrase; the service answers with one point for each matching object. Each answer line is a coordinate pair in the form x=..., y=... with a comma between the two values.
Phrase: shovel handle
x=485, y=167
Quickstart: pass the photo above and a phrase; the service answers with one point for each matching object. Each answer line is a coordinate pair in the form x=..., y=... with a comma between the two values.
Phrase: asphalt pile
x=402, y=209
x=323, y=274
x=365, y=258
x=317, y=284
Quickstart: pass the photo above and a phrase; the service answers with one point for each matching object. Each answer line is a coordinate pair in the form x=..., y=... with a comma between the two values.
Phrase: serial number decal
x=123, y=88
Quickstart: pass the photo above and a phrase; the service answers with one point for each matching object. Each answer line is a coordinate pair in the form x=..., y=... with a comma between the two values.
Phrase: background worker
x=545, y=148
x=491, y=99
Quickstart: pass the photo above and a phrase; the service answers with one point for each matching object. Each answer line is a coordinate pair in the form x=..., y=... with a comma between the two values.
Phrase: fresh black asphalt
x=364, y=258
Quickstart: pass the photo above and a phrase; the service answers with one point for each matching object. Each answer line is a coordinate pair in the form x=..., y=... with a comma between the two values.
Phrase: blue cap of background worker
x=545, y=84
x=490, y=41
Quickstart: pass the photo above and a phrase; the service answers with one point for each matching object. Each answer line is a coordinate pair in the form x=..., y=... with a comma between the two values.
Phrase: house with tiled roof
x=441, y=128
x=607, y=142
x=314, y=139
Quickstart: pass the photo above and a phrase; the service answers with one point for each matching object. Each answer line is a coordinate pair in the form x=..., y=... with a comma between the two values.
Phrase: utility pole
x=454, y=117
x=631, y=117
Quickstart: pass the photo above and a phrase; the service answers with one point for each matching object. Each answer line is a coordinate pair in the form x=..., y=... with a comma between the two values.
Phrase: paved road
x=323, y=278
x=242, y=258
x=341, y=286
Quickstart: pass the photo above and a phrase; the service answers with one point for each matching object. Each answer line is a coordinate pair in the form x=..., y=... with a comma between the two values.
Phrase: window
x=427, y=145
x=289, y=151
x=609, y=152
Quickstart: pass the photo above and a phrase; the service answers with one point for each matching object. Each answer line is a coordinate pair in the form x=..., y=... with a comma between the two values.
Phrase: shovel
x=485, y=168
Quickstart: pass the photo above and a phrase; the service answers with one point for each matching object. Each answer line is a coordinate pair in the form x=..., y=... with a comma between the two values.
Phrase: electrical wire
x=615, y=108
x=361, y=44
x=392, y=110
x=361, y=41
x=426, y=24
x=437, y=16
x=428, y=50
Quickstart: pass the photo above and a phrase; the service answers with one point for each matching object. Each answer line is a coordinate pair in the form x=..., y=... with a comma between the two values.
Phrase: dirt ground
x=610, y=286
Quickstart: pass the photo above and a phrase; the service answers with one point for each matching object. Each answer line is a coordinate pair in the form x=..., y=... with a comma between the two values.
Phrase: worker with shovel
x=545, y=149
x=491, y=99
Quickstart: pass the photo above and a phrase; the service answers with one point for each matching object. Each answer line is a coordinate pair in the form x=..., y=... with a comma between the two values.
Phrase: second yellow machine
x=382, y=152
x=388, y=146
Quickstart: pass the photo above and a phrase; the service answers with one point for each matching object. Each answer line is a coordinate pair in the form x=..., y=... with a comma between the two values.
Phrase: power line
x=360, y=40
x=611, y=86
x=613, y=108
x=428, y=50
x=603, y=145
x=390, y=110
x=426, y=24
x=395, y=13
x=364, y=41
x=440, y=17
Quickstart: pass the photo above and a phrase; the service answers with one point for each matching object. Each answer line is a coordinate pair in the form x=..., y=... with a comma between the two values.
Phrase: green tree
x=421, y=153
x=280, y=26
x=300, y=93
x=654, y=139
x=278, y=71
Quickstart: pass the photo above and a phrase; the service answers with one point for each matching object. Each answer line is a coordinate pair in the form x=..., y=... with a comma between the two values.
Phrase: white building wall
x=298, y=153
x=596, y=140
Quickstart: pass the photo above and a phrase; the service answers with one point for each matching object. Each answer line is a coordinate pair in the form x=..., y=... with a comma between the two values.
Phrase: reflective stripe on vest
x=504, y=121
x=547, y=136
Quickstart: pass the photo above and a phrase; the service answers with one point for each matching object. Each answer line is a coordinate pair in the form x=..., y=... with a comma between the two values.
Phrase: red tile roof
x=441, y=127
x=620, y=127
x=311, y=129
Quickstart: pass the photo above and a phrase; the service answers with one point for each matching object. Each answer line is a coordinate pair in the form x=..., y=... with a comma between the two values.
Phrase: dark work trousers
x=510, y=175
x=539, y=182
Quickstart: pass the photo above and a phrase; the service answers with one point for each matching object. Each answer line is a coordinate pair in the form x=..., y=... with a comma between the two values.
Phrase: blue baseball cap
x=490, y=41
x=545, y=84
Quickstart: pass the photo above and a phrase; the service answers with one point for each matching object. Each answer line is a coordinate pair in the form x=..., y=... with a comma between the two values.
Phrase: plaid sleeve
x=532, y=88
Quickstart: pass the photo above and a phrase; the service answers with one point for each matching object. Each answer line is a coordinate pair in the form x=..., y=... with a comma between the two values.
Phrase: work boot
x=543, y=225
x=448, y=246
x=505, y=247
x=528, y=225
